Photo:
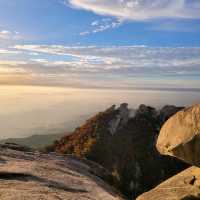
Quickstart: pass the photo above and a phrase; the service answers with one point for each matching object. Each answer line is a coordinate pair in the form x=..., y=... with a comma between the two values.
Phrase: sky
x=100, y=43
x=61, y=61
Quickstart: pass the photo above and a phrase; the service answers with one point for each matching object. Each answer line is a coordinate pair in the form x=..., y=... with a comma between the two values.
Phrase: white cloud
x=101, y=66
x=85, y=33
x=33, y=54
x=7, y=51
x=129, y=60
x=95, y=23
x=11, y=70
x=13, y=62
x=40, y=60
x=141, y=9
x=9, y=35
x=102, y=25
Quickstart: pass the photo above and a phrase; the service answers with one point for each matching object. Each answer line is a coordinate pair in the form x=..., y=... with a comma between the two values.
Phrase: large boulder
x=184, y=186
x=180, y=136
x=36, y=176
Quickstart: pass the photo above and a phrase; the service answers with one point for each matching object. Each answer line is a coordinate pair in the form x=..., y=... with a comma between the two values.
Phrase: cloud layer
x=135, y=59
x=9, y=35
x=141, y=9
x=103, y=66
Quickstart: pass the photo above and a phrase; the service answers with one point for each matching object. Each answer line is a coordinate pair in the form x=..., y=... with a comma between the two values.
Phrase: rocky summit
x=123, y=141
x=28, y=175
x=113, y=151
x=179, y=137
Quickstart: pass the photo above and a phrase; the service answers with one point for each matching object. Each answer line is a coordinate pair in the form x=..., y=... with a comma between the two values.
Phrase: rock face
x=120, y=120
x=129, y=154
x=184, y=186
x=36, y=176
x=167, y=111
x=180, y=136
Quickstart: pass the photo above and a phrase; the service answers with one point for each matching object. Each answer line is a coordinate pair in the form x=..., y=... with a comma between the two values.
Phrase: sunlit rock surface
x=183, y=186
x=35, y=176
x=180, y=136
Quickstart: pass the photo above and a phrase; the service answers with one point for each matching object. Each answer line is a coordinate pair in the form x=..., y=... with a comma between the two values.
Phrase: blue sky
x=122, y=43
x=54, y=22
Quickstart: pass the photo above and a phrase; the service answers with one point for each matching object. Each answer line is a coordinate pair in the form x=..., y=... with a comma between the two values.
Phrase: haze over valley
x=30, y=110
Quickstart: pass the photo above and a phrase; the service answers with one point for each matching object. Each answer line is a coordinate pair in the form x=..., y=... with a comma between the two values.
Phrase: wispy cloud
x=8, y=51
x=9, y=35
x=102, y=25
x=126, y=59
x=40, y=60
x=106, y=65
x=85, y=33
x=140, y=9
x=12, y=62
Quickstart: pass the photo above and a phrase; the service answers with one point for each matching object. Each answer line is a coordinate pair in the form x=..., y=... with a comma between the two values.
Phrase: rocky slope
x=123, y=141
x=183, y=186
x=179, y=137
x=28, y=175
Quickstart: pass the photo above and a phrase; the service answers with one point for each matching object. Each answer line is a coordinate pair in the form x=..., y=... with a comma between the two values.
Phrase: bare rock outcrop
x=36, y=176
x=180, y=136
x=184, y=186
x=127, y=149
x=167, y=111
x=120, y=119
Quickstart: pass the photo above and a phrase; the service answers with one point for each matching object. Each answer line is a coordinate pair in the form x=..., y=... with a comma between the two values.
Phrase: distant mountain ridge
x=34, y=141
x=123, y=141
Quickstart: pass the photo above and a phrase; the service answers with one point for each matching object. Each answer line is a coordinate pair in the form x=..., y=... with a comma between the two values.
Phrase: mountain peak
x=123, y=141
